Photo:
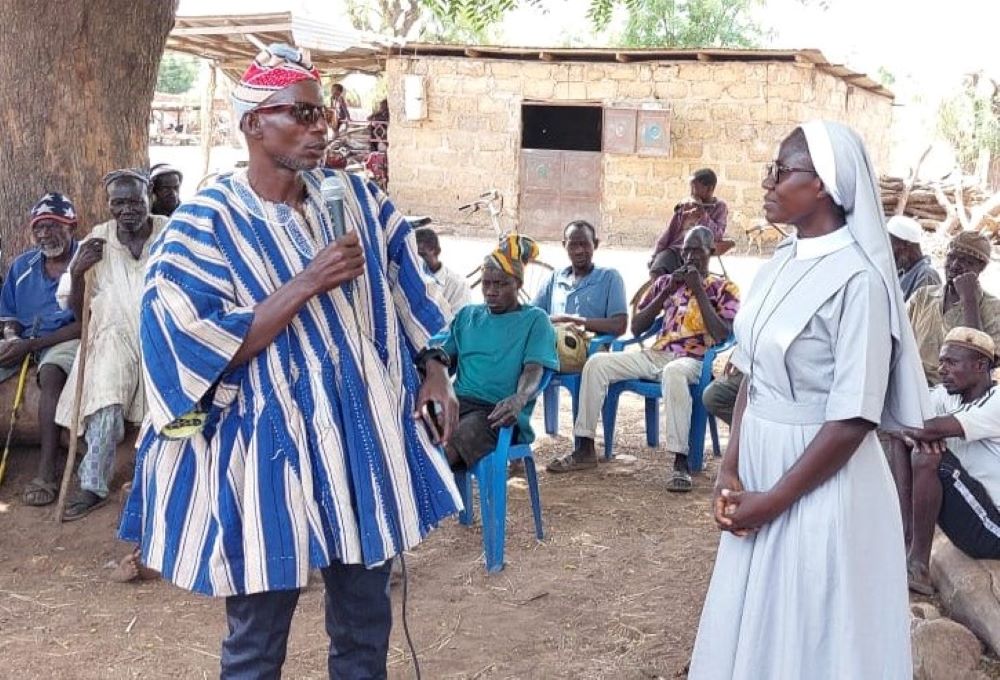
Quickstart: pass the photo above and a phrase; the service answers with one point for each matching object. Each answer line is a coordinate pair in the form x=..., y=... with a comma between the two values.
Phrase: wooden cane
x=77, y=397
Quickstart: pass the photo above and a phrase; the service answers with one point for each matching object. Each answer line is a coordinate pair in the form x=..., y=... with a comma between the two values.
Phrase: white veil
x=842, y=163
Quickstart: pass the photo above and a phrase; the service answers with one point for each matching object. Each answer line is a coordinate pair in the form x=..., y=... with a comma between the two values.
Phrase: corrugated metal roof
x=630, y=55
x=223, y=39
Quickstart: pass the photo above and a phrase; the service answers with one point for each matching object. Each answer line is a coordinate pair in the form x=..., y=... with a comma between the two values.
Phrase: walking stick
x=18, y=398
x=77, y=397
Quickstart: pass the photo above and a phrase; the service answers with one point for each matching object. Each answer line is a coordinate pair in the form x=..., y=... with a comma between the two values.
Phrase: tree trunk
x=76, y=84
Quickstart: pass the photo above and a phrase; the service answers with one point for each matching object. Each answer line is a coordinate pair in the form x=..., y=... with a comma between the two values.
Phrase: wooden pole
x=207, y=120
x=74, y=432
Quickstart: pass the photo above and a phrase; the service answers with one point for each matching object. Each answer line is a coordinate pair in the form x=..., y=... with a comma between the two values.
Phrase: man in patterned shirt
x=697, y=310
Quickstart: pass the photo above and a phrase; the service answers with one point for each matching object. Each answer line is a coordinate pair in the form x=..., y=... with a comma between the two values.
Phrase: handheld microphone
x=333, y=191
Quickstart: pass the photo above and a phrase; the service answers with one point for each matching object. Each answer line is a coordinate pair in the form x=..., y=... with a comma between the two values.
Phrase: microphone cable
x=353, y=299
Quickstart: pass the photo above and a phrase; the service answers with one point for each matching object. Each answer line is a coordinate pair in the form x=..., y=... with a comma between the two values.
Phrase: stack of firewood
x=947, y=206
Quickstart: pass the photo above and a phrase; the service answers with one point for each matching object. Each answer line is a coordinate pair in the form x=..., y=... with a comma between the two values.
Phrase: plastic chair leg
x=696, y=438
x=550, y=408
x=536, y=500
x=464, y=482
x=491, y=472
x=609, y=414
x=652, y=422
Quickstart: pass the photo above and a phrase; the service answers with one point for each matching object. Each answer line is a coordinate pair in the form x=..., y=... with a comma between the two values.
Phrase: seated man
x=952, y=476
x=117, y=251
x=583, y=294
x=698, y=309
x=164, y=189
x=453, y=285
x=720, y=396
x=935, y=310
x=915, y=269
x=500, y=350
x=702, y=208
x=33, y=323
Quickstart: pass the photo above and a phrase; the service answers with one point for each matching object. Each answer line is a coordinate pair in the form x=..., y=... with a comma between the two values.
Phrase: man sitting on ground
x=935, y=310
x=33, y=323
x=164, y=189
x=915, y=270
x=952, y=476
x=117, y=252
x=589, y=297
x=698, y=309
x=500, y=349
x=702, y=208
x=453, y=285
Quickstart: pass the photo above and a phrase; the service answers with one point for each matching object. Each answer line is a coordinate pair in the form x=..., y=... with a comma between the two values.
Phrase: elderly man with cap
x=960, y=301
x=286, y=363
x=164, y=189
x=33, y=323
x=501, y=349
x=697, y=310
x=113, y=257
x=950, y=472
x=915, y=269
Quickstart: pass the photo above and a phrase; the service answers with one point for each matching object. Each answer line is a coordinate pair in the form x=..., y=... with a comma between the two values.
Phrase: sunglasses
x=304, y=113
x=776, y=170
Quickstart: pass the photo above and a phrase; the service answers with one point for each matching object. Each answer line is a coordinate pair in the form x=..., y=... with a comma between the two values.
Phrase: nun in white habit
x=810, y=577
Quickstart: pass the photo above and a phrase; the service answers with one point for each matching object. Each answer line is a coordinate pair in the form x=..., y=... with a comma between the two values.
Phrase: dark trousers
x=720, y=396
x=358, y=619
x=968, y=516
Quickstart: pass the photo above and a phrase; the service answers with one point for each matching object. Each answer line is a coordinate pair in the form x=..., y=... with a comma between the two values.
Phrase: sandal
x=38, y=492
x=570, y=463
x=680, y=482
x=82, y=504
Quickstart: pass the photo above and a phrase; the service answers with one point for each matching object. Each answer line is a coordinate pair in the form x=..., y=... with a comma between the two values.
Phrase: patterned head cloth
x=972, y=338
x=973, y=244
x=514, y=251
x=161, y=169
x=272, y=70
x=130, y=173
x=53, y=206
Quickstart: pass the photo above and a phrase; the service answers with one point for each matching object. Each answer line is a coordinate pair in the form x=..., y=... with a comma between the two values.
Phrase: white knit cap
x=905, y=228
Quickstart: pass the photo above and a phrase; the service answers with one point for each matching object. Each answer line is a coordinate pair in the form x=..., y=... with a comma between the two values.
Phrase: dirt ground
x=614, y=590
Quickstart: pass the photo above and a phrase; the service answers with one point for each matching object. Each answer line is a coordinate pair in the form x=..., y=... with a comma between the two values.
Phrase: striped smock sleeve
x=190, y=323
x=419, y=302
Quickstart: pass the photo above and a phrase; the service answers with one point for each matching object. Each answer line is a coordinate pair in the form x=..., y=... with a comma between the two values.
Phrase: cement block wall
x=729, y=116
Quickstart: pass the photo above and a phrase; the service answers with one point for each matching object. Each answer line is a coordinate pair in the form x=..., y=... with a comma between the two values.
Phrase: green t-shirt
x=491, y=349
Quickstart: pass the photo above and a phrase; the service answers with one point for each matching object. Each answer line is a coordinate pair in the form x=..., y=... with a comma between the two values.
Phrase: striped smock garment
x=301, y=462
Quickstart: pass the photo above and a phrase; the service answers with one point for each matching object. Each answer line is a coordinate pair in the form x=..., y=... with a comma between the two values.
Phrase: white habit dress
x=820, y=592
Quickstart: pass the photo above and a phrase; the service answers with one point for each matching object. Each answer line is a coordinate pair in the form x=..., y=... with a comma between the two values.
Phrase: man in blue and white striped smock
x=309, y=455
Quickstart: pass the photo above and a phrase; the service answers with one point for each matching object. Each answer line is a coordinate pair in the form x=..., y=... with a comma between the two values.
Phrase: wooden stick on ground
x=77, y=397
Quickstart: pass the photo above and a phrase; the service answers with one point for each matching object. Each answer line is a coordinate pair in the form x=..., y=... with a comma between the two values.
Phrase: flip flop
x=570, y=463
x=680, y=482
x=82, y=504
x=39, y=493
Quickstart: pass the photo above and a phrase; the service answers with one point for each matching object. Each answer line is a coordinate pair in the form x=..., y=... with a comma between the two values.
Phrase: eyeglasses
x=304, y=113
x=775, y=170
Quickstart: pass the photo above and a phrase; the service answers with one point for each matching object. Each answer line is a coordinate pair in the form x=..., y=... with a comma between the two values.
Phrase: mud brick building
x=606, y=135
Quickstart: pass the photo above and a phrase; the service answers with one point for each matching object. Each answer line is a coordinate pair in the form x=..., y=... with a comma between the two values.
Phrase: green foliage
x=177, y=73
x=885, y=76
x=971, y=120
x=692, y=23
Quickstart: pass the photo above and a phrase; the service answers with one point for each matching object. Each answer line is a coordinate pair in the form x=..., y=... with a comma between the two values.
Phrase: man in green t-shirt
x=500, y=350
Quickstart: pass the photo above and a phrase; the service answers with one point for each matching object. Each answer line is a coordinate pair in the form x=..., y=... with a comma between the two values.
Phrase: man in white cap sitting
x=915, y=270
x=952, y=475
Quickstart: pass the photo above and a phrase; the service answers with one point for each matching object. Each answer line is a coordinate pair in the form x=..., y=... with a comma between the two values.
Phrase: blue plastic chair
x=491, y=474
x=651, y=391
x=571, y=382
